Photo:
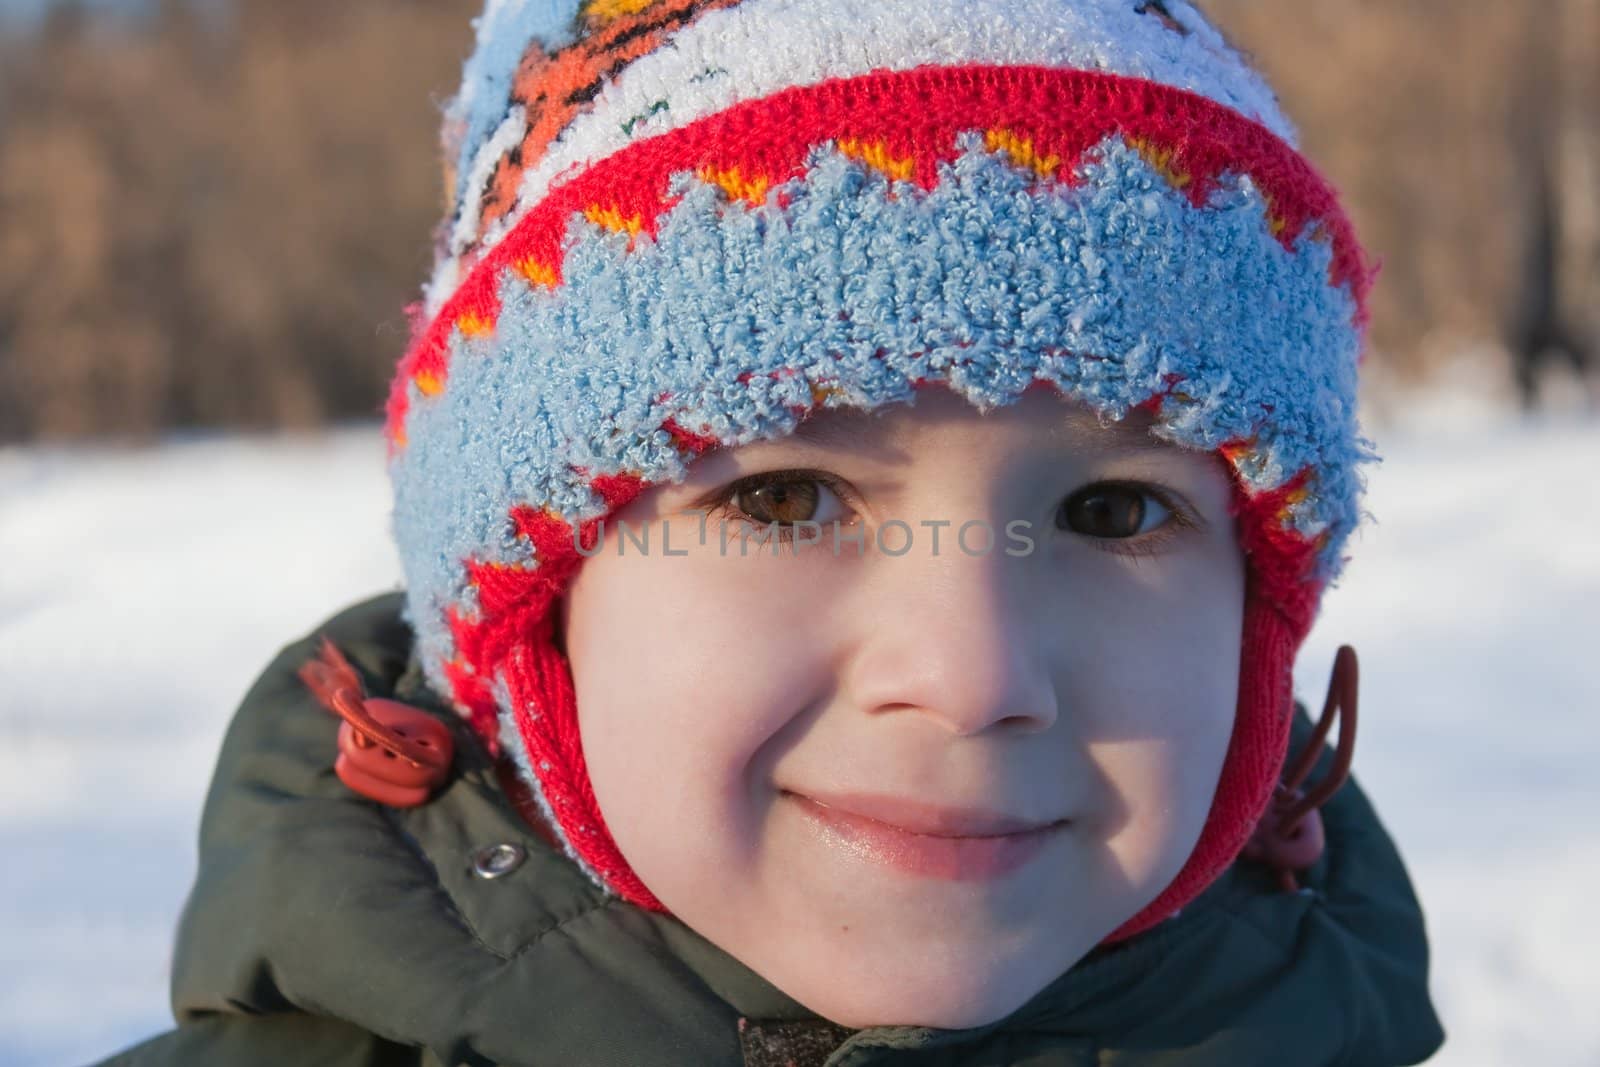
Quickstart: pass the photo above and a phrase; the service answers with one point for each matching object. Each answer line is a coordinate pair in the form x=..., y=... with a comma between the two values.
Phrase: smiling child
x=862, y=473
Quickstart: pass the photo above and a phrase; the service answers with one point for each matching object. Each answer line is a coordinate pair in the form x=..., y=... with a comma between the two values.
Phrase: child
x=862, y=474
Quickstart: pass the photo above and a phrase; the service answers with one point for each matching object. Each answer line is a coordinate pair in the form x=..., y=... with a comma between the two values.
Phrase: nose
x=953, y=637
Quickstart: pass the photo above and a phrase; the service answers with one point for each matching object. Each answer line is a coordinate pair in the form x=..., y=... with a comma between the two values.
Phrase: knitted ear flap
x=684, y=224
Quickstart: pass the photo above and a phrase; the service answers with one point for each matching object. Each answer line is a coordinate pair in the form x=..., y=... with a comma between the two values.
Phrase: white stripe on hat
x=760, y=47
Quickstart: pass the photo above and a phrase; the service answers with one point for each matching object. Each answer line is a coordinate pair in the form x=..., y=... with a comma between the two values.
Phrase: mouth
x=963, y=845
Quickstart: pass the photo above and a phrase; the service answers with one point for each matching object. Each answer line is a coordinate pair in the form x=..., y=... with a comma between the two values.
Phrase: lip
x=965, y=845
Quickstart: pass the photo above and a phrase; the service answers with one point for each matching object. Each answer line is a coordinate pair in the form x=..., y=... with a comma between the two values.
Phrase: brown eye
x=779, y=502
x=1110, y=510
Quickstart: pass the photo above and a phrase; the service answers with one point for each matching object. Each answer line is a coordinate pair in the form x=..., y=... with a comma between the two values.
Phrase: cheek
x=1158, y=644
x=1161, y=790
x=684, y=670
x=1158, y=681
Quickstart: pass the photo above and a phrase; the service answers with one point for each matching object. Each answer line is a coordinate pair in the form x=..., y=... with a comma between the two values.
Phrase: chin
x=970, y=996
x=949, y=1010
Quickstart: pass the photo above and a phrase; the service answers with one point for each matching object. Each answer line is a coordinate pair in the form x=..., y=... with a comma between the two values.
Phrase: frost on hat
x=680, y=225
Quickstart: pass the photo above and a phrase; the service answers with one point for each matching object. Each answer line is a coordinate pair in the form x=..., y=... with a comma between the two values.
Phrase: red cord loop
x=1290, y=835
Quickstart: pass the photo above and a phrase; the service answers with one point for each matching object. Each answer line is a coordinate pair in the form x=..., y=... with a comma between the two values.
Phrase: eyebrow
x=843, y=428
x=837, y=431
x=1116, y=438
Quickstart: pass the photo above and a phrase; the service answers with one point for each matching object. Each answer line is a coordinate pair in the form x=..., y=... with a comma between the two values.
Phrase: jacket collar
x=312, y=898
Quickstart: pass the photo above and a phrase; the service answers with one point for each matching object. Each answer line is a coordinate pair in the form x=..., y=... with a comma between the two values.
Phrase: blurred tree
x=1548, y=321
x=213, y=222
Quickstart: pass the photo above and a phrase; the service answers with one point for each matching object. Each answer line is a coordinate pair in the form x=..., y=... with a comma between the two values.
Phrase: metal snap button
x=496, y=860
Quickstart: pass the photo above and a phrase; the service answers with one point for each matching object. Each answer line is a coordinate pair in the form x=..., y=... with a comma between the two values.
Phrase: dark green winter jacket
x=325, y=929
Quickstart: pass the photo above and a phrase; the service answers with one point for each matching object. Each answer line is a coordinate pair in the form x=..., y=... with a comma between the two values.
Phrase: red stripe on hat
x=890, y=118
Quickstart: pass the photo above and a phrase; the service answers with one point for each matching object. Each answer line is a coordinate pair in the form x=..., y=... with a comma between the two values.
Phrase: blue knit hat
x=681, y=225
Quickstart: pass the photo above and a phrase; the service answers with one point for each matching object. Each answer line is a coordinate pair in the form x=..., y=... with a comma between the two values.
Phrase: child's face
x=1088, y=683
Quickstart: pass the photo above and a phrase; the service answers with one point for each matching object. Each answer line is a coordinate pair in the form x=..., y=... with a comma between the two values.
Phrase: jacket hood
x=310, y=898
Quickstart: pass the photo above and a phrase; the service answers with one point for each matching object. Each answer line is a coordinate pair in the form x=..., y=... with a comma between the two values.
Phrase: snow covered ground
x=141, y=591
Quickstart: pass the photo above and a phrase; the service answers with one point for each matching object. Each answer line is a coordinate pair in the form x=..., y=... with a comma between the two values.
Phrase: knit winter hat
x=680, y=225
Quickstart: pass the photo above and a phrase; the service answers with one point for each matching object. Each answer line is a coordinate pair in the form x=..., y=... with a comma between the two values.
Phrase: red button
x=391, y=752
x=400, y=763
